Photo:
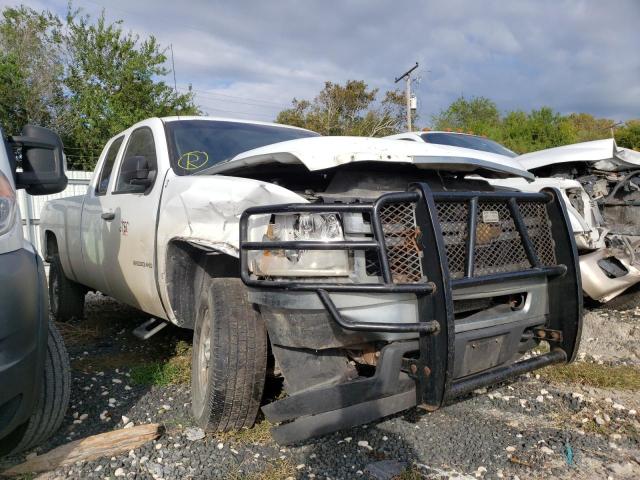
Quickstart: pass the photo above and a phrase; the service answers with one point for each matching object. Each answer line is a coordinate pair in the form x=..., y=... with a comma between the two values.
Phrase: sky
x=250, y=58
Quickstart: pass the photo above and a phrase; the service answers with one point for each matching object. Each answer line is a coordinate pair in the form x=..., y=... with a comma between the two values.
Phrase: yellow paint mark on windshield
x=193, y=160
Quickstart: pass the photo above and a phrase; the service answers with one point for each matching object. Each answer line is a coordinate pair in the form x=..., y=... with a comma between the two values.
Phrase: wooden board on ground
x=101, y=445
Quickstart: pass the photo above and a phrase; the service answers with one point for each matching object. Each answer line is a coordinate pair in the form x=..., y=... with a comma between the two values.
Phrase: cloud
x=252, y=57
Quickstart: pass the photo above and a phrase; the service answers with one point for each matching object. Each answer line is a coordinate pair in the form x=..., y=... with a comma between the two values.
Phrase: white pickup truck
x=376, y=275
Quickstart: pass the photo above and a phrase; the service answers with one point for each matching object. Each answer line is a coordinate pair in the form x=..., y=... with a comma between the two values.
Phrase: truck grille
x=498, y=246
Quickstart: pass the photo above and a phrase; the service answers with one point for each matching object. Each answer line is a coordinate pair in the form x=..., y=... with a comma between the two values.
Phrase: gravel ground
x=536, y=427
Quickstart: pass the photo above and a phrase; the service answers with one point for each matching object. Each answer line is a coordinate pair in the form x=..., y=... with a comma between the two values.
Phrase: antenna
x=173, y=69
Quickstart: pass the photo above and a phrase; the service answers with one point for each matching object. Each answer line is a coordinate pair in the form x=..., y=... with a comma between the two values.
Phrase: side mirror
x=41, y=159
x=135, y=171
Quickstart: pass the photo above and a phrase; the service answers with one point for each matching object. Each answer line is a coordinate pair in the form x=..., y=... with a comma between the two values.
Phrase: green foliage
x=31, y=69
x=349, y=109
x=525, y=132
x=86, y=79
x=479, y=115
x=174, y=370
x=588, y=128
x=628, y=135
x=112, y=84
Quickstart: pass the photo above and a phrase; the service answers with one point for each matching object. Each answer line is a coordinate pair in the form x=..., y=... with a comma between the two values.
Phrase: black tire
x=627, y=300
x=229, y=360
x=66, y=297
x=52, y=401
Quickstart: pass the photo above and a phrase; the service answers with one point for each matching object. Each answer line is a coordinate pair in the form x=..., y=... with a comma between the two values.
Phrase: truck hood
x=603, y=154
x=319, y=153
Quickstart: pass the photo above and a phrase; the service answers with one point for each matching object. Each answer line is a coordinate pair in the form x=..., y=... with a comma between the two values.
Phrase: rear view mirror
x=41, y=159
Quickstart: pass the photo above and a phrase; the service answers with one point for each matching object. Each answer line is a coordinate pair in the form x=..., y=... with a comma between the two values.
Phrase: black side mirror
x=41, y=158
x=135, y=171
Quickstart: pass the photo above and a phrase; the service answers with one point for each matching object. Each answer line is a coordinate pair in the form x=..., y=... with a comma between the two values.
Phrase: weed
x=111, y=361
x=276, y=470
x=409, y=473
x=260, y=433
x=77, y=334
x=176, y=370
x=623, y=377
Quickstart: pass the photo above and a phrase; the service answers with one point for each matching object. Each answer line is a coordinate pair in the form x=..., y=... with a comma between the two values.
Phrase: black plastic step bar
x=436, y=334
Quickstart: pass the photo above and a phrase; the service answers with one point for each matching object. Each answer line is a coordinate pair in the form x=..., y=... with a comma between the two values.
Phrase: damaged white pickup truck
x=372, y=273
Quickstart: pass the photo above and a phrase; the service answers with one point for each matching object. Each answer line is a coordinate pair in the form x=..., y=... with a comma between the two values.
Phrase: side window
x=139, y=164
x=107, y=166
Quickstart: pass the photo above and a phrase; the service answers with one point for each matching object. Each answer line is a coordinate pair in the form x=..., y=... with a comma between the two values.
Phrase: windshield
x=468, y=141
x=195, y=145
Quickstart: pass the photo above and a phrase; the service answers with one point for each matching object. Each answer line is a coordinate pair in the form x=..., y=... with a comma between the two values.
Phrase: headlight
x=324, y=227
x=7, y=204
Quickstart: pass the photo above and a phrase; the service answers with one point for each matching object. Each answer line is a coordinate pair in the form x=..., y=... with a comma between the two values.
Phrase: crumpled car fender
x=205, y=210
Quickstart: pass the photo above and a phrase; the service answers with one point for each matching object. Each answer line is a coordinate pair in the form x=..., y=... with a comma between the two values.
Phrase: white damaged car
x=372, y=275
x=600, y=184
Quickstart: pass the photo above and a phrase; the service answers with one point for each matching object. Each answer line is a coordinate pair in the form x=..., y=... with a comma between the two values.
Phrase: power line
x=244, y=100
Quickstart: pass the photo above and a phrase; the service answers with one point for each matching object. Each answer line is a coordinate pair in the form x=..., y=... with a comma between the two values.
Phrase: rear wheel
x=52, y=400
x=66, y=297
x=229, y=357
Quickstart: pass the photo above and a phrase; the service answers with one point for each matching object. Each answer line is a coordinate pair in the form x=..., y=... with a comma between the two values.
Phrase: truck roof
x=176, y=118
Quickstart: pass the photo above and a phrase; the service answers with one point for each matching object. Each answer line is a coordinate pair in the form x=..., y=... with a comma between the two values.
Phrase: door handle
x=108, y=216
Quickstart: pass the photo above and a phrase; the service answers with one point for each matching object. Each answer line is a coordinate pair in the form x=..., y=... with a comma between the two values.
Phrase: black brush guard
x=429, y=380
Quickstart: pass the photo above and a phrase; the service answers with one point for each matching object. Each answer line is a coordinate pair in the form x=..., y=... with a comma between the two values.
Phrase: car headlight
x=324, y=227
x=7, y=204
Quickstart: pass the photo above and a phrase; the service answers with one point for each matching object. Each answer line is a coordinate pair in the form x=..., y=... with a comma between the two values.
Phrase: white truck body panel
x=319, y=153
x=12, y=240
x=604, y=154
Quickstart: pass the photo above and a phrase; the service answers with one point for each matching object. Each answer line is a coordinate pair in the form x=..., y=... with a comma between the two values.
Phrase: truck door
x=94, y=229
x=131, y=208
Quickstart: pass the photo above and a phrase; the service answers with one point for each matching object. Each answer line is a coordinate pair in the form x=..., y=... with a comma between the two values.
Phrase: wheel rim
x=204, y=359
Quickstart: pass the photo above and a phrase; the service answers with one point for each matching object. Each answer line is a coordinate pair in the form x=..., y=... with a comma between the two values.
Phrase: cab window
x=139, y=163
x=107, y=166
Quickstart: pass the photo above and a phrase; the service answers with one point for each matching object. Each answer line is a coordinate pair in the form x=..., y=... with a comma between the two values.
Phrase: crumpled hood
x=319, y=153
x=604, y=154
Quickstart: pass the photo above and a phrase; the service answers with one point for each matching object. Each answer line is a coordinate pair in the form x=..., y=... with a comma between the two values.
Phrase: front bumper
x=23, y=335
x=430, y=356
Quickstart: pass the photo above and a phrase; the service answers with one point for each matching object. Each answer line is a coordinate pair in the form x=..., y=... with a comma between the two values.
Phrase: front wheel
x=229, y=360
x=52, y=401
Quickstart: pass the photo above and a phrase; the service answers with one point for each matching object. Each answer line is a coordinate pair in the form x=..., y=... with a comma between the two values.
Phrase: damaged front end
x=413, y=298
x=605, y=209
x=608, y=272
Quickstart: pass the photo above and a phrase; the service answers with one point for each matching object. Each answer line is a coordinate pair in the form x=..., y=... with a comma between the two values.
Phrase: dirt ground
x=576, y=421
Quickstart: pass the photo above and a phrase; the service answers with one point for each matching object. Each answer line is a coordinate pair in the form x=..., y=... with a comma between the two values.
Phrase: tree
x=31, y=69
x=86, y=79
x=540, y=129
x=628, y=135
x=349, y=109
x=478, y=115
x=112, y=83
x=587, y=127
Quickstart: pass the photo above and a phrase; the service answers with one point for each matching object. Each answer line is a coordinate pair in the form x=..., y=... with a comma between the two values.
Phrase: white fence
x=30, y=206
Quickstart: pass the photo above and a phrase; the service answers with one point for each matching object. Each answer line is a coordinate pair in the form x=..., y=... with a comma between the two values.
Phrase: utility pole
x=407, y=76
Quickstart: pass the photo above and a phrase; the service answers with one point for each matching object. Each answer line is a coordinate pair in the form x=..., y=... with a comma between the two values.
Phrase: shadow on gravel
x=114, y=373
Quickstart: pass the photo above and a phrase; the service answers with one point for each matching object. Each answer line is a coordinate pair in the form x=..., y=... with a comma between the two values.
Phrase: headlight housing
x=7, y=205
x=323, y=227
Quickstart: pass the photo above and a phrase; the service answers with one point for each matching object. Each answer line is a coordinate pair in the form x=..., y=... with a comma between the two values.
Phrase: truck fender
x=188, y=260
